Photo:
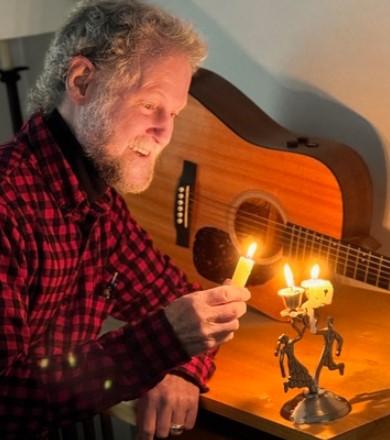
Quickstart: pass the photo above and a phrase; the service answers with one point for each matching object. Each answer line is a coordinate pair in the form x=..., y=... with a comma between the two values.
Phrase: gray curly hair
x=116, y=36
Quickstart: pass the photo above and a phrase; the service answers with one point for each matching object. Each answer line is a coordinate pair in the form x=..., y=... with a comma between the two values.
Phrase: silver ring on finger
x=176, y=429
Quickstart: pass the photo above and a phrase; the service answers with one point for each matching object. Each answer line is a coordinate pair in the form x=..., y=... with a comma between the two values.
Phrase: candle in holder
x=291, y=295
x=319, y=292
x=244, y=267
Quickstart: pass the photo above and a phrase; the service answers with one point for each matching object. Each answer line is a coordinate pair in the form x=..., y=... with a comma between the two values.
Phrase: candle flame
x=251, y=250
x=315, y=271
x=288, y=275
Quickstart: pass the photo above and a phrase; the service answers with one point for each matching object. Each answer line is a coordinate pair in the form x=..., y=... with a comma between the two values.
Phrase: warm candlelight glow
x=251, y=250
x=291, y=295
x=318, y=292
x=315, y=272
x=288, y=275
x=244, y=267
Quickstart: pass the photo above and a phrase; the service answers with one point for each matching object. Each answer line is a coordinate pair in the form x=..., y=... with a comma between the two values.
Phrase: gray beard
x=93, y=130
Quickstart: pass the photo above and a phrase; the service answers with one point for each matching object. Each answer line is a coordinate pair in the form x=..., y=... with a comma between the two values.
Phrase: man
x=115, y=77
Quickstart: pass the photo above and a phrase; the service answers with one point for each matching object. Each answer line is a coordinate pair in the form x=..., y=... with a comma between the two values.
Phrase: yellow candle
x=291, y=295
x=318, y=292
x=244, y=267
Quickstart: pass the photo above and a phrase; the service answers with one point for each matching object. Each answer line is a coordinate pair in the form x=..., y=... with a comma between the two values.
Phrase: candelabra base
x=319, y=407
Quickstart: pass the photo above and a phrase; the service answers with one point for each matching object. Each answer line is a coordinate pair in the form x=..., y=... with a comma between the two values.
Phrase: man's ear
x=81, y=73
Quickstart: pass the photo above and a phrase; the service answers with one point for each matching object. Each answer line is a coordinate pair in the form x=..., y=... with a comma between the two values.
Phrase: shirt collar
x=82, y=166
x=68, y=173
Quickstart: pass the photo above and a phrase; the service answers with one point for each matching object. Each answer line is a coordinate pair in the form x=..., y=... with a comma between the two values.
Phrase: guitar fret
x=340, y=268
x=367, y=265
x=384, y=277
x=319, y=237
x=344, y=258
x=384, y=283
x=356, y=266
x=379, y=271
x=373, y=269
x=361, y=266
x=344, y=272
x=335, y=260
x=316, y=244
x=305, y=231
x=312, y=243
x=300, y=241
x=328, y=250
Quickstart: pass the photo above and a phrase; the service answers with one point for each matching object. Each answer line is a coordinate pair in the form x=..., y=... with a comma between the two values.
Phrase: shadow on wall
x=296, y=105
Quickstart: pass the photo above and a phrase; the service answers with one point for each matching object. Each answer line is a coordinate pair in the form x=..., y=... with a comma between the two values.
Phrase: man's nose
x=162, y=128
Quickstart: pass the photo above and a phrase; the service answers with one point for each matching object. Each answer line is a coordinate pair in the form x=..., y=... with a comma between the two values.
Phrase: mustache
x=143, y=142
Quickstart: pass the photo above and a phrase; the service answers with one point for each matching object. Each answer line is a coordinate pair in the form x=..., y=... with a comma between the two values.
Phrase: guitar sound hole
x=257, y=219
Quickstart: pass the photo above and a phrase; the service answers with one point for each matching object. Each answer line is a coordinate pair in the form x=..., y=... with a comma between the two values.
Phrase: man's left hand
x=173, y=401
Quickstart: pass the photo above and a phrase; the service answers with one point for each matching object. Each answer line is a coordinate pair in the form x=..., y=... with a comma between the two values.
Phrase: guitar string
x=329, y=244
x=253, y=220
x=350, y=250
x=343, y=264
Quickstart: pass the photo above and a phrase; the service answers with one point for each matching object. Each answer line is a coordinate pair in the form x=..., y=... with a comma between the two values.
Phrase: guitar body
x=249, y=184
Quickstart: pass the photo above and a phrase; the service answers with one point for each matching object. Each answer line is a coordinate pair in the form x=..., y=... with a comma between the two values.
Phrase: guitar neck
x=344, y=258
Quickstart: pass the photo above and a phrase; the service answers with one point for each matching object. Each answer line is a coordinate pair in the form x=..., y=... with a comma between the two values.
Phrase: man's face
x=125, y=133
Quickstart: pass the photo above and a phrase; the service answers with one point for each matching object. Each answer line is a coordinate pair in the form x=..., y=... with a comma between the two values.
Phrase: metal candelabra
x=314, y=404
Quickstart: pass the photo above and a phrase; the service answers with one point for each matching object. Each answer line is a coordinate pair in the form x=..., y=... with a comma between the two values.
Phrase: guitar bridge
x=182, y=205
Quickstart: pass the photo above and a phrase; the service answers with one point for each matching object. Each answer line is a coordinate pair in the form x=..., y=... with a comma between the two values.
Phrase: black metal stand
x=10, y=77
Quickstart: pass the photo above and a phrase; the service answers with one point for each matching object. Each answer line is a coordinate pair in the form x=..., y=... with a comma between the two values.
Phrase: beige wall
x=318, y=67
x=20, y=18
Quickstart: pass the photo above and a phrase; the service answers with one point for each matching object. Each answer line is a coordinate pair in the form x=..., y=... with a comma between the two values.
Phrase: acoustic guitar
x=232, y=175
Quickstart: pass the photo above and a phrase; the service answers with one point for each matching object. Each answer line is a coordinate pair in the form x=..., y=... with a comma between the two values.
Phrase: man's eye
x=148, y=106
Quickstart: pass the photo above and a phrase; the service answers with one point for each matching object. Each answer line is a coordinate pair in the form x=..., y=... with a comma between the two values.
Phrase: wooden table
x=247, y=387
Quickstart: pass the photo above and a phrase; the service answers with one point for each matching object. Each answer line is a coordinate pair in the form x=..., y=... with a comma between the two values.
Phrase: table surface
x=248, y=388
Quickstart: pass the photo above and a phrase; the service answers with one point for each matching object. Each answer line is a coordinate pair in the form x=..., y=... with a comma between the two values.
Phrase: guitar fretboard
x=344, y=258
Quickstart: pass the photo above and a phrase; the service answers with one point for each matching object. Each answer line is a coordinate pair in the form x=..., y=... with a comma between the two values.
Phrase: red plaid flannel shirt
x=58, y=254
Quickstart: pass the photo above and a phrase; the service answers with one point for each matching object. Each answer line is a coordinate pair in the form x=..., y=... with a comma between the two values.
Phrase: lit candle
x=318, y=292
x=244, y=267
x=291, y=295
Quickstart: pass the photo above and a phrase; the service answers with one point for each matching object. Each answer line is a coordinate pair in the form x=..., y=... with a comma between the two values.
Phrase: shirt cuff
x=198, y=370
x=154, y=346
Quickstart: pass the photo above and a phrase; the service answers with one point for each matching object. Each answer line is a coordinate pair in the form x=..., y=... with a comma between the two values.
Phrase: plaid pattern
x=58, y=254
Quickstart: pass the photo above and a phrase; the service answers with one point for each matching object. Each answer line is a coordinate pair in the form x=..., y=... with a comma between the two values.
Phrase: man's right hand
x=205, y=319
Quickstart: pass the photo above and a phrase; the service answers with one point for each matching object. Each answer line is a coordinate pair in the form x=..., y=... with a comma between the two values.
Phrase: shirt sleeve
x=36, y=393
x=148, y=280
